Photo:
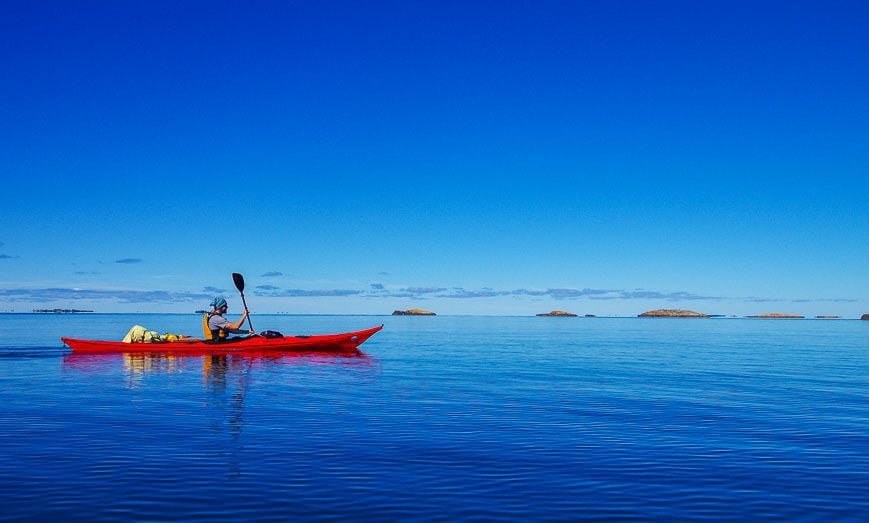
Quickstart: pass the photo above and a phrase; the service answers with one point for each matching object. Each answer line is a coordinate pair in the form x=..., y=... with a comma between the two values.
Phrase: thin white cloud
x=423, y=290
x=666, y=296
x=828, y=300
x=304, y=293
x=123, y=296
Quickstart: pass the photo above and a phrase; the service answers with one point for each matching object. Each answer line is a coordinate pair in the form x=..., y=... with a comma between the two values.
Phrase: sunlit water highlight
x=442, y=418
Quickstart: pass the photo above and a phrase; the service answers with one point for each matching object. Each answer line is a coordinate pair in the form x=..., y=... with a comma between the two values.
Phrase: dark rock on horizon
x=777, y=315
x=864, y=317
x=564, y=314
x=672, y=313
x=60, y=311
x=413, y=312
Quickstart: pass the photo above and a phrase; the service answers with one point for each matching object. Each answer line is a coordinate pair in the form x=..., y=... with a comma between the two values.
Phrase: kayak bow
x=345, y=342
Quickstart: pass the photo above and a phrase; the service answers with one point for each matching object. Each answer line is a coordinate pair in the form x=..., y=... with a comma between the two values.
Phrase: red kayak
x=346, y=342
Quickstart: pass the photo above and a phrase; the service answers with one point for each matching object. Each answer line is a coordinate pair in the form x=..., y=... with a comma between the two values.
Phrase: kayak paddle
x=239, y=284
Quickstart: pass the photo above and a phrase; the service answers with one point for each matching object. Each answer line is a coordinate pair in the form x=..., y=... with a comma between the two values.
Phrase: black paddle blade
x=239, y=281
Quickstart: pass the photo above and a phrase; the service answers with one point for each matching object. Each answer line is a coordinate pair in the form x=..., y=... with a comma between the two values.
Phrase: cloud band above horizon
x=45, y=295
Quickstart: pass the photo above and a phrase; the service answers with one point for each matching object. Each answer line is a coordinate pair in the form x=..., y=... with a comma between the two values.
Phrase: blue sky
x=599, y=157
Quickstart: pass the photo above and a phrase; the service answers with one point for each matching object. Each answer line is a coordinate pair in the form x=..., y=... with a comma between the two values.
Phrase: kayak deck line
x=344, y=342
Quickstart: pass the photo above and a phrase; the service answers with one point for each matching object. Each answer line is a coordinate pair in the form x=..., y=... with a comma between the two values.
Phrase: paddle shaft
x=243, y=302
x=238, y=279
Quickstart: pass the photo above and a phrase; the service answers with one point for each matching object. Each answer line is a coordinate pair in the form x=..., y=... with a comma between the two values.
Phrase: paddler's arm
x=235, y=327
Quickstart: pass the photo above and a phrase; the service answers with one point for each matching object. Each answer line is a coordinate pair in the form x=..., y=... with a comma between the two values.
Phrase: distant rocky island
x=827, y=317
x=413, y=312
x=864, y=317
x=59, y=311
x=777, y=315
x=672, y=313
x=564, y=314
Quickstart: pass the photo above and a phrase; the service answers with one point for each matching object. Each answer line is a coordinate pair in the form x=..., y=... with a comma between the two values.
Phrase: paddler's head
x=219, y=304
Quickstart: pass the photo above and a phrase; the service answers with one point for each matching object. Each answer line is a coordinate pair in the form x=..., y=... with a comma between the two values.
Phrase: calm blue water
x=443, y=418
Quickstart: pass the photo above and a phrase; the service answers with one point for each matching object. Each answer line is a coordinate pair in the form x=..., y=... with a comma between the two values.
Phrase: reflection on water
x=136, y=366
x=220, y=372
x=225, y=377
x=226, y=380
x=215, y=367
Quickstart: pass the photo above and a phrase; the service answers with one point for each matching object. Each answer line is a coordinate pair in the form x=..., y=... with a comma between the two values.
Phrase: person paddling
x=219, y=326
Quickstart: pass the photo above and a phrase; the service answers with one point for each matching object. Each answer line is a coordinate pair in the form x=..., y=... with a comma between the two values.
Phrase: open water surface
x=442, y=418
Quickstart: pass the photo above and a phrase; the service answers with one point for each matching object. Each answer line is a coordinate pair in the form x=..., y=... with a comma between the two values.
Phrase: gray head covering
x=218, y=302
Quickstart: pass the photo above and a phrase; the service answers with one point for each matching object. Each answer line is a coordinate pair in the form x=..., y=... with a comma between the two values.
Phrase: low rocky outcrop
x=559, y=313
x=777, y=315
x=60, y=311
x=413, y=312
x=590, y=316
x=827, y=317
x=864, y=317
x=672, y=313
